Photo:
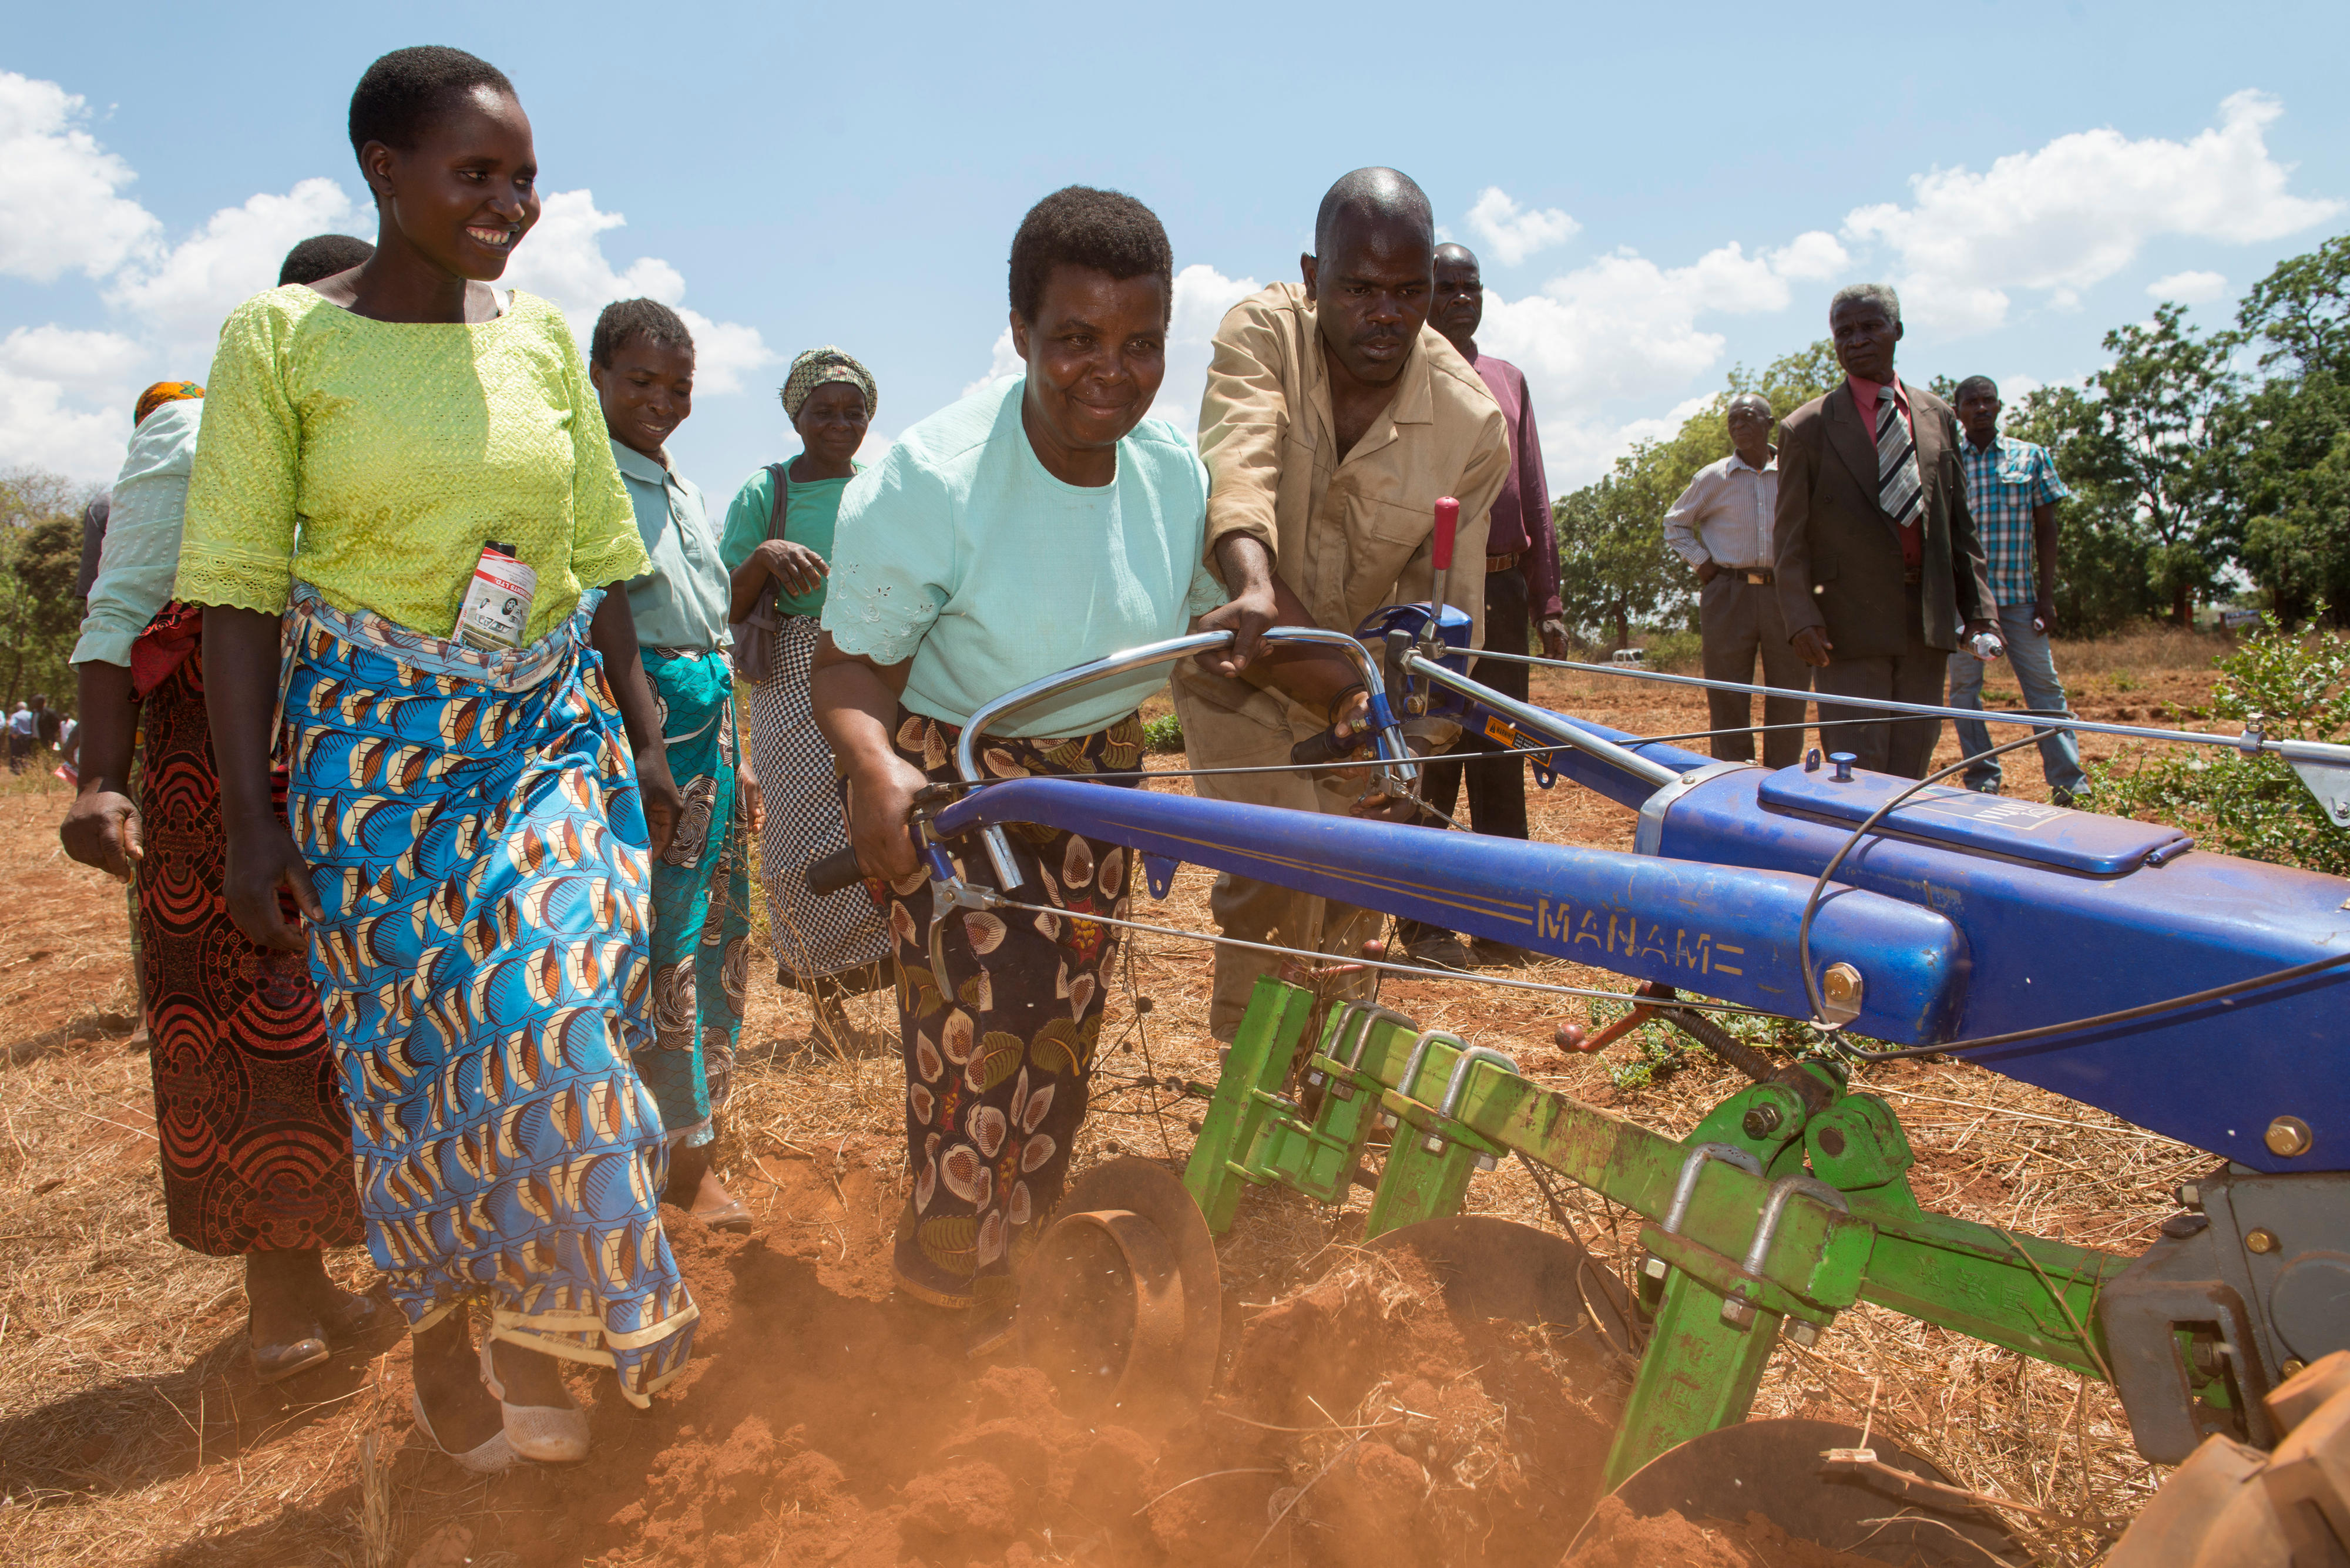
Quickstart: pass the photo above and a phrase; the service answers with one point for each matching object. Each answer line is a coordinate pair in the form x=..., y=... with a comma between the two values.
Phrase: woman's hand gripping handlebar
x=878, y=801
x=844, y=868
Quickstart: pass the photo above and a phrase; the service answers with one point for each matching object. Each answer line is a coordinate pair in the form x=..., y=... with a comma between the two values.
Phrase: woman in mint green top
x=1037, y=524
x=829, y=946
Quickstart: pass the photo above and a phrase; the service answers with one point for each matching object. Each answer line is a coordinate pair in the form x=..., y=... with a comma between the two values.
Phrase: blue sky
x=1656, y=193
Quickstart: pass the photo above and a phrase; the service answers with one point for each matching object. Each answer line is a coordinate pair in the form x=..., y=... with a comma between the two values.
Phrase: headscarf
x=162, y=393
x=819, y=366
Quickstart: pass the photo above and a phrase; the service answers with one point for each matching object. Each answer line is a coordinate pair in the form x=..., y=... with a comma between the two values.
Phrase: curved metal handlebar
x=1395, y=757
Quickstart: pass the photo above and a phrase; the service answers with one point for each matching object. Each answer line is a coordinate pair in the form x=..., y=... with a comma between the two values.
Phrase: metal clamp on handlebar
x=1395, y=772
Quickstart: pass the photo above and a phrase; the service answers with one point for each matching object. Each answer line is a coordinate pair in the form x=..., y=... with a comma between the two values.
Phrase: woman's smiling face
x=467, y=193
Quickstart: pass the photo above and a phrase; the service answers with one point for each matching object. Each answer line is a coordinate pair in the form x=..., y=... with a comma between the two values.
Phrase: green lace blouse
x=373, y=459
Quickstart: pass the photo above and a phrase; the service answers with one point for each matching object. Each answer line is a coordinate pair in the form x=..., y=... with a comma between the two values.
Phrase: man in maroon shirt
x=1521, y=583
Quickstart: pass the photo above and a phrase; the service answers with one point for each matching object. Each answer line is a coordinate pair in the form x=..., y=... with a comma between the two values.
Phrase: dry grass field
x=131, y=1430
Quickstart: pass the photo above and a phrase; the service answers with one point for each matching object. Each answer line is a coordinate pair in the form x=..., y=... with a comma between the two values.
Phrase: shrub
x=1677, y=652
x=1164, y=733
x=2256, y=807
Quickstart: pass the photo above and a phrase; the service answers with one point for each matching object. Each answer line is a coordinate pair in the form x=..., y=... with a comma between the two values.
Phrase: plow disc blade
x=1774, y=1468
x=1494, y=1268
x=1121, y=1304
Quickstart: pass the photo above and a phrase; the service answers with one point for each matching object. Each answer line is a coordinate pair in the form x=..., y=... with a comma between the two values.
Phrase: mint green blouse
x=959, y=552
x=814, y=511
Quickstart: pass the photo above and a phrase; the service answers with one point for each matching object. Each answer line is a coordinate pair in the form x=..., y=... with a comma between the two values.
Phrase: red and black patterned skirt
x=257, y=1145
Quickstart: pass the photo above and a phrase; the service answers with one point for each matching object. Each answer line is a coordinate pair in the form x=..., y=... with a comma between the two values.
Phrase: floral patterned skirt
x=999, y=1049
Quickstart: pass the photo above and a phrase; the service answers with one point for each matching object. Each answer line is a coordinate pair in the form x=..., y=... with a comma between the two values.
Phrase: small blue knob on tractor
x=1843, y=761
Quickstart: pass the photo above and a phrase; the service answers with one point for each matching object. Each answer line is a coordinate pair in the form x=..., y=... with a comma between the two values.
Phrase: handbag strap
x=780, y=503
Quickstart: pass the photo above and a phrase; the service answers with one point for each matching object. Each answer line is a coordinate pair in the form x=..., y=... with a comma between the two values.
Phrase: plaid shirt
x=2003, y=484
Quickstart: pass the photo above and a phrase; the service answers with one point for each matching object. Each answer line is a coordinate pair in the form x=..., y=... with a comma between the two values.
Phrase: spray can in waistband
x=497, y=601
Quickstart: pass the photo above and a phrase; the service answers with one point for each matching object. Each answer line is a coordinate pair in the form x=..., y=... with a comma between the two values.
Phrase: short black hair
x=1958, y=394
x=625, y=319
x=322, y=256
x=400, y=91
x=1376, y=194
x=1078, y=226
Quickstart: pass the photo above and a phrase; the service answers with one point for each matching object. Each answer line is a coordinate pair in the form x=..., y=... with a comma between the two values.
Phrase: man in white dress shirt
x=1721, y=528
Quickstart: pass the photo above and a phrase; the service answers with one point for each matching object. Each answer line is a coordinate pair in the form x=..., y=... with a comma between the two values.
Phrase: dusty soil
x=1630, y=1543
x=825, y=1422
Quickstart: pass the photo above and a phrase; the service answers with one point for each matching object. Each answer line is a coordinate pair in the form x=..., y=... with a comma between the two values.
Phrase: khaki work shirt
x=1348, y=535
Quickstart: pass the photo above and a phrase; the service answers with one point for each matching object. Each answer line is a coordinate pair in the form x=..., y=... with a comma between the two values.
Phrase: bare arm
x=1310, y=675
x=613, y=634
x=101, y=827
x=855, y=703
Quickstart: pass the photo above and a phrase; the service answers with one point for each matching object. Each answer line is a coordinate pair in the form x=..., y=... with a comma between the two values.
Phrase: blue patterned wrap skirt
x=472, y=828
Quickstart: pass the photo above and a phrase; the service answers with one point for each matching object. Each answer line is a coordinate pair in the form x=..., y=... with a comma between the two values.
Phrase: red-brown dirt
x=833, y=1424
x=1625, y=1541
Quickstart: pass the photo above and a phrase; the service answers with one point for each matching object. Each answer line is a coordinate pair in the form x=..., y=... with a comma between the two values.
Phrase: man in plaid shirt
x=2012, y=490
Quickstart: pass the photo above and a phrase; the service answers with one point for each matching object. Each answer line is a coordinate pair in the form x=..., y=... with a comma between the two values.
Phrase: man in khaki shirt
x=1333, y=419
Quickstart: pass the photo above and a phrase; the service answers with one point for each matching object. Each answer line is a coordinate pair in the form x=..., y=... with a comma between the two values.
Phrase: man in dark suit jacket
x=1878, y=561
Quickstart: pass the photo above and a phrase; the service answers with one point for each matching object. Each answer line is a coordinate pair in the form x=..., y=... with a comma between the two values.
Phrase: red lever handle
x=1448, y=518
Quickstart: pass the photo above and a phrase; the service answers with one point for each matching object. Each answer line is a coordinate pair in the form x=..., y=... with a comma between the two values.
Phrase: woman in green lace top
x=469, y=836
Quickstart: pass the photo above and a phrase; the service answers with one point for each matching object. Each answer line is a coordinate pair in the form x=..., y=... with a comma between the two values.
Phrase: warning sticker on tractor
x=1995, y=811
x=1496, y=730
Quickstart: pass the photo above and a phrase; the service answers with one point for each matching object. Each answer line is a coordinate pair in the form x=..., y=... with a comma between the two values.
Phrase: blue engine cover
x=1722, y=932
x=2068, y=914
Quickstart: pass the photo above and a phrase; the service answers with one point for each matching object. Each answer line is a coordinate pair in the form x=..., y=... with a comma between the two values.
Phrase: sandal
x=719, y=1208
x=275, y=1363
x=484, y=1459
x=550, y=1434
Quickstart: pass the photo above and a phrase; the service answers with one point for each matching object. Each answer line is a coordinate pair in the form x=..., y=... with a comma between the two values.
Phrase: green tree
x=2160, y=423
x=40, y=557
x=1614, y=567
x=2101, y=578
x=2294, y=476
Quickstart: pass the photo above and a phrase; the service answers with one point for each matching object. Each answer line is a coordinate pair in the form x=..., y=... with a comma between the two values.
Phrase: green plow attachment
x=1789, y=1203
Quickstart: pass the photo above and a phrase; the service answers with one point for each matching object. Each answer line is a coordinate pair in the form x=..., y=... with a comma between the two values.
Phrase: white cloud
x=185, y=292
x=1512, y=234
x=1003, y=360
x=66, y=393
x=83, y=360
x=2078, y=211
x=66, y=398
x=58, y=207
x=562, y=259
x=1623, y=329
x=2189, y=288
x=40, y=428
x=1203, y=297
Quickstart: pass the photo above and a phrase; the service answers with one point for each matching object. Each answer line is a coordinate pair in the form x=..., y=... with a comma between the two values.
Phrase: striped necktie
x=1898, y=489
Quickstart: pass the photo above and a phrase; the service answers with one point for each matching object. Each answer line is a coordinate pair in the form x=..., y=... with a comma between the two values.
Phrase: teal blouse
x=815, y=510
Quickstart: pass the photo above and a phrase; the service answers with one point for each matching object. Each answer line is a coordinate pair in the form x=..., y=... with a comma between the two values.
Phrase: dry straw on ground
x=130, y=1432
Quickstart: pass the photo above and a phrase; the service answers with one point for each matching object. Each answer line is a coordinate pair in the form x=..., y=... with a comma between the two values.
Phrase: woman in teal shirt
x=830, y=946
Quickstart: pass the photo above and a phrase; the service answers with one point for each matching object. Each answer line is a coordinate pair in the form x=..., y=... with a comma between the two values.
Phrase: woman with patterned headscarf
x=255, y=1142
x=778, y=544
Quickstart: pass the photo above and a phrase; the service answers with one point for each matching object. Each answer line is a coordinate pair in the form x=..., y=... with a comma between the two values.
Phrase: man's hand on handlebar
x=1255, y=604
x=1246, y=617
